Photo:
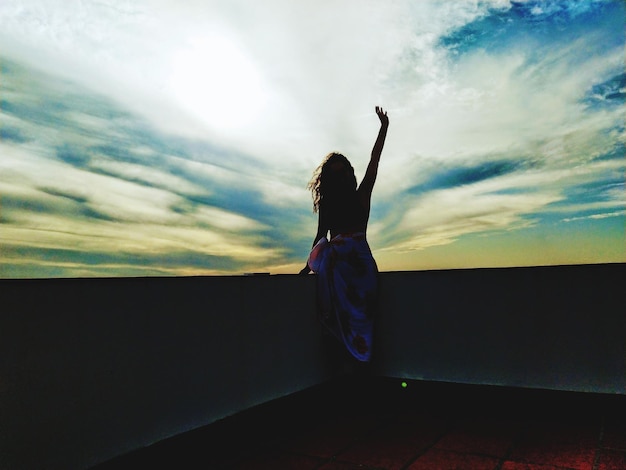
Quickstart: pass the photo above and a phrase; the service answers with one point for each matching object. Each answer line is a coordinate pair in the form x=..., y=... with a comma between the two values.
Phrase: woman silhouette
x=347, y=272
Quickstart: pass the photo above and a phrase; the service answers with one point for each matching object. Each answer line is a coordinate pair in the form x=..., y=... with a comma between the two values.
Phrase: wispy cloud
x=89, y=179
x=171, y=138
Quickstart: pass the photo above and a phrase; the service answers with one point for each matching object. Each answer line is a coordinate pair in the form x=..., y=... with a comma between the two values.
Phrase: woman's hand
x=305, y=270
x=382, y=115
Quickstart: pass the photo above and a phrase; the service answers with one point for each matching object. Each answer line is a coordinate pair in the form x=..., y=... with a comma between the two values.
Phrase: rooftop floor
x=374, y=423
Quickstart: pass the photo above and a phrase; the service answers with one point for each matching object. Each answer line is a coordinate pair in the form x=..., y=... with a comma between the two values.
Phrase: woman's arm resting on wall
x=322, y=231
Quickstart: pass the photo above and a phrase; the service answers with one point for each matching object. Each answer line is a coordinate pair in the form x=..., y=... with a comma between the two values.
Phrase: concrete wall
x=93, y=368
x=561, y=327
x=90, y=369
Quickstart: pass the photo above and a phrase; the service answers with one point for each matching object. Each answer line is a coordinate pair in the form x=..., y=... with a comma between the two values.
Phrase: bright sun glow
x=215, y=81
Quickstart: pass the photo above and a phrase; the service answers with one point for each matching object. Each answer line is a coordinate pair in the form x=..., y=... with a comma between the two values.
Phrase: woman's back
x=346, y=214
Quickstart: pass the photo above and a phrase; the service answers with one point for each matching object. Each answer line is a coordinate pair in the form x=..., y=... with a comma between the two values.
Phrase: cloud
x=85, y=184
x=442, y=216
x=21, y=262
x=113, y=131
x=610, y=93
x=460, y=202
x=603, y=215
x=464, y=175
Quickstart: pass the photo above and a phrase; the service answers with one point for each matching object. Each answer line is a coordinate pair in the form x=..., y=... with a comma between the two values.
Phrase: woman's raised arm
x=367, y=185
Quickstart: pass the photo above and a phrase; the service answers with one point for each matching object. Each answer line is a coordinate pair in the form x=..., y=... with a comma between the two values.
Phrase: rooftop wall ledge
x=94, y=368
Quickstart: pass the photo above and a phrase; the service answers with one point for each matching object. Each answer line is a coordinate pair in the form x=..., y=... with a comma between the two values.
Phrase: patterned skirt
x=347, y=290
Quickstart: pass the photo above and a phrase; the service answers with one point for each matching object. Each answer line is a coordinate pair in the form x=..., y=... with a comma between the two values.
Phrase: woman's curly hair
x=323, y=182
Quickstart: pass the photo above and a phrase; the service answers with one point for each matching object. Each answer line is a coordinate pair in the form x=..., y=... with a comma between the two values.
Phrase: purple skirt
x=347, y=290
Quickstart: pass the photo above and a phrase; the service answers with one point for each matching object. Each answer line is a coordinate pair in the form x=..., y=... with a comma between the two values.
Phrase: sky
x=177, y=138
